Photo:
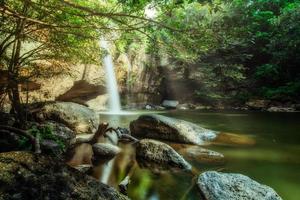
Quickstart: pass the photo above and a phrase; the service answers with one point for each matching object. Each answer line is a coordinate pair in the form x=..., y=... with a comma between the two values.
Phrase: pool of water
x=274, y=160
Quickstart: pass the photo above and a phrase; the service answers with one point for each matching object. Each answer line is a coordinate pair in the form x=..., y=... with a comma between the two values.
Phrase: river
x=274, y=160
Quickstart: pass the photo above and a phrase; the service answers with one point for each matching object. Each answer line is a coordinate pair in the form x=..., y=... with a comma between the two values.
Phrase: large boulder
x=75, y=116
x=166, y=128
x=219, y=186
x=152, y=153
x=24, y=175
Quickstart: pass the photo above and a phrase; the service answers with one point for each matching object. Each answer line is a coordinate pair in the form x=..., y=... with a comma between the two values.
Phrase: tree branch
x=34, y=141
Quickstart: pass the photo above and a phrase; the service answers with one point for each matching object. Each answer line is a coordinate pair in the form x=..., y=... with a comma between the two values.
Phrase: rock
x=153, y=107
x=105, y=150
x=202, y=155
x=217, y=186
x=183, y=106
x=82, y=90
x=170, y=103
x=281, y=109
x=84, y=168
x=161, y=127
x=66, y=135
x=50, y=146
x=148, y=107
x=258, y=104
x=76, y=117
x=232, y=139
x=25, y=175
x=152, y=153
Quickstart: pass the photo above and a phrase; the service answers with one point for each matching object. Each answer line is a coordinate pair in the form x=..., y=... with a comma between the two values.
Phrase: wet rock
x=170, y=103
x=281, y=109
x=152, y=153
x=230, y=139
x=217, y=186
x=24, y=175
x=105, y=150
x=161, y=127
x=202, y=155
x=76, y=117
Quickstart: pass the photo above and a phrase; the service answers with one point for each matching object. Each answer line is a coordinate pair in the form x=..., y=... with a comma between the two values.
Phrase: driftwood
x=35, y=141
x=103, y=130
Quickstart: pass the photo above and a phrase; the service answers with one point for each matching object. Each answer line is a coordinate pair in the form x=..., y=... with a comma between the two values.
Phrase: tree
x=40, y=37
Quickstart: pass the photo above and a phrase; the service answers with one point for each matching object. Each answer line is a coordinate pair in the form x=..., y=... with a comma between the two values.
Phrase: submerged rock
x=75, y=116
x=152, y=153
x=231, y=139
x=105, y=150
x=24, y=175
x=219, y=186
x=161, y=127
x=202, y=155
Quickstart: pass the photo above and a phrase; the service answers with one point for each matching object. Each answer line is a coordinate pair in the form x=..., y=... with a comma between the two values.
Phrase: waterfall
x=111, y=81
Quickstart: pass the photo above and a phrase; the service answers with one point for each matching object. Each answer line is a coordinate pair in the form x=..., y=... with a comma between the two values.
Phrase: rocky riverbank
x=161, y=145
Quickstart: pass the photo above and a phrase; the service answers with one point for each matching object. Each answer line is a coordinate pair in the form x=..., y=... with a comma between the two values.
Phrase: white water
x=111, y=81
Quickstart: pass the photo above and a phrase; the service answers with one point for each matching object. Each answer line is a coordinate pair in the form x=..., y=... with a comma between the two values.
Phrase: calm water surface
x=274, y=160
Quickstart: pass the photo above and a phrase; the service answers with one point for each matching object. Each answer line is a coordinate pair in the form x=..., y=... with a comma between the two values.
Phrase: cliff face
x=84, y=84
x=151, y=80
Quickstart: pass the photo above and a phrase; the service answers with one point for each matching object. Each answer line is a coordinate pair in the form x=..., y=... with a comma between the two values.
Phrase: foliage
x=243, y=49
x=43, y=133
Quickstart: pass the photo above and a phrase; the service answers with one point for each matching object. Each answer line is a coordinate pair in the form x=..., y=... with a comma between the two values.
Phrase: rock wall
x=84, y=84
x=151, y=80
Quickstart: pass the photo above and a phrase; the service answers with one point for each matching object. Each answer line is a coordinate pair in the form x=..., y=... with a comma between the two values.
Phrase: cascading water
x=111, y=81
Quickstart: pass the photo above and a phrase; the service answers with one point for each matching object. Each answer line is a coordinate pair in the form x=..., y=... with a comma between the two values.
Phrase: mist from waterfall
x=111, y=81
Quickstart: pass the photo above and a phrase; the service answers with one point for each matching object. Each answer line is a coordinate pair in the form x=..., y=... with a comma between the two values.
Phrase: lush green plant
x=43, y=133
